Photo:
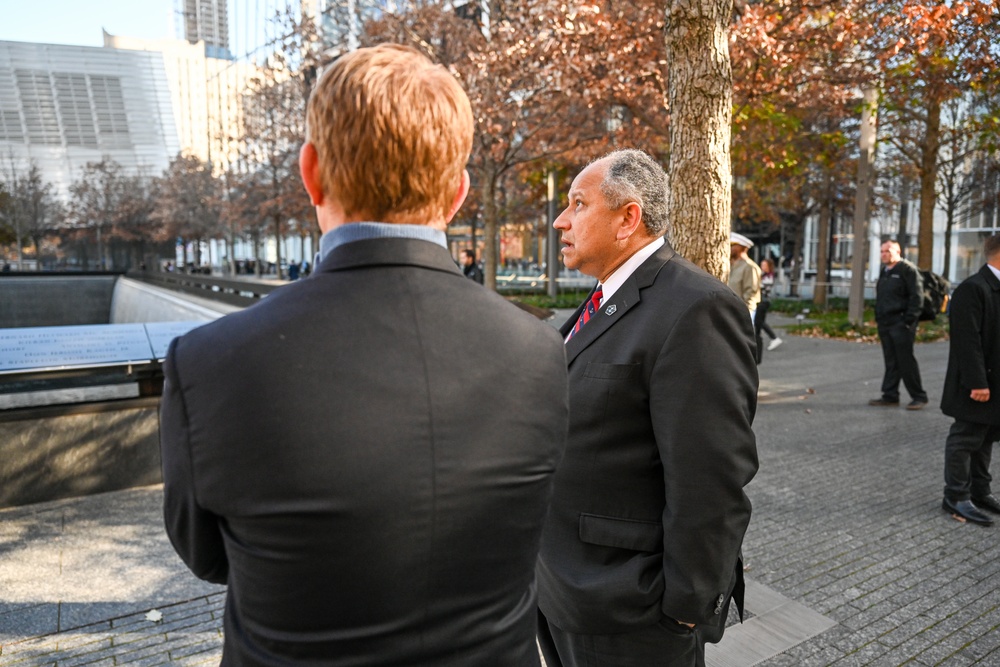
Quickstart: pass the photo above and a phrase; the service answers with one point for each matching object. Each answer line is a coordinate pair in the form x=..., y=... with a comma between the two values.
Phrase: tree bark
x=490, y=225
x=928, y=182
x=820, y=285
x=700, y=97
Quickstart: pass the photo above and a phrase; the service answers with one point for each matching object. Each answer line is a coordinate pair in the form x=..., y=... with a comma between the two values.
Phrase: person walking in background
x=641, y=551
x=384, y=505
x=760, y=321
x=469, y=266
x=744, y=274
x=972, y=391
x=898, y=295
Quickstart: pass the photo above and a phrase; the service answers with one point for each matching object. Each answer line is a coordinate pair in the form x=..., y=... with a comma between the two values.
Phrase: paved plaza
x=851, y=560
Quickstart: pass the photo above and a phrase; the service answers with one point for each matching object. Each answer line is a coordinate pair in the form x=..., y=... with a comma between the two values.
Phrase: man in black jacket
x=972, y=391
x=366, y=457
x=898, y=296
x=469, y=266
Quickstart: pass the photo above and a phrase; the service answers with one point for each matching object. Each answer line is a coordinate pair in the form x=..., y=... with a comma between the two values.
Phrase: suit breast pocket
x=611, y=371
x=632, y=534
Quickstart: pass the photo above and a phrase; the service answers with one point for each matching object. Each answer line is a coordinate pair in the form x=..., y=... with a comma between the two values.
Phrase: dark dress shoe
x=967, y=510
x=883, y=403
x=989, y=502
x=916, y=405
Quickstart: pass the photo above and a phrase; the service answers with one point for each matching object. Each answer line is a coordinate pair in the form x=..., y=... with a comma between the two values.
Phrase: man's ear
x=309, y=169
x=460, y=195
x=630, y=221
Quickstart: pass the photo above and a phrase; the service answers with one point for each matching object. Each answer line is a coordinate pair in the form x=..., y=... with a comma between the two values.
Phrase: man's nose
x=561, y=221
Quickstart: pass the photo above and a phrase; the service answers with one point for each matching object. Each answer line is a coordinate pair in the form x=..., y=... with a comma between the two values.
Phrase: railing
x=234, y=292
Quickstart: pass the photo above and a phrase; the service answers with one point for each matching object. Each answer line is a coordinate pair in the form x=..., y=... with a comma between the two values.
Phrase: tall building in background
x=207, y=21
x=64, y=106
x=207, y=95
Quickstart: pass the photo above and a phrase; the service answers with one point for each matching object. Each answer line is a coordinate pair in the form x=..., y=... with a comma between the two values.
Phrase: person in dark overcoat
x=972, y=391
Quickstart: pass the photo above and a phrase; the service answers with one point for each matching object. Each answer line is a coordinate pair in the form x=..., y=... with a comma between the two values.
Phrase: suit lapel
x=626, y=298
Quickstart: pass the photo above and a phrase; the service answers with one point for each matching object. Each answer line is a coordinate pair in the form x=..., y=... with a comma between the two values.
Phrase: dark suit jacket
x=366, y=459
x=974, y=349
x=648, y=511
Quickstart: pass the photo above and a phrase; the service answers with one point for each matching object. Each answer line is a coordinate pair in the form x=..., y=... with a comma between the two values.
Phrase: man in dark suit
x=366, y=456
x=972, y=391
x=641, y=552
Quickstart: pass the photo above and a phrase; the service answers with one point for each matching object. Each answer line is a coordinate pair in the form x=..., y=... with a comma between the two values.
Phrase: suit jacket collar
x=990, y=277
x=388, y=252
x=626, y=298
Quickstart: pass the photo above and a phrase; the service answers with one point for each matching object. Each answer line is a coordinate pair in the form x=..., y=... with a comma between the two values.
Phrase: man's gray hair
x=634, y=176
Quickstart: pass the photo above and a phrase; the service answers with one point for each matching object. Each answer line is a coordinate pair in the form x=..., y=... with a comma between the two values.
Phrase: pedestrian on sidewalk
x=760, y=321
x=744, y=274
x=972, y=391
x=470, y=267
x=898, y=296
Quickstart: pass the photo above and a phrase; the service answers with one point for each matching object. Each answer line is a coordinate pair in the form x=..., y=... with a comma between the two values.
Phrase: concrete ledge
x=57, y=456
x=47, y=301
x=137, y=302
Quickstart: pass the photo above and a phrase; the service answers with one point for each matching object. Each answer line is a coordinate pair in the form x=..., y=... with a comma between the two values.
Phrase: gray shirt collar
x=360, y=231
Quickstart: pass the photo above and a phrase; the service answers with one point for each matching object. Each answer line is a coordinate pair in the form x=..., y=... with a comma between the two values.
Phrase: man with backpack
x=898, y=301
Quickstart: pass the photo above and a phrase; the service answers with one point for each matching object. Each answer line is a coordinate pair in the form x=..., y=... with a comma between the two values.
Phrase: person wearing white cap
x=744, y=274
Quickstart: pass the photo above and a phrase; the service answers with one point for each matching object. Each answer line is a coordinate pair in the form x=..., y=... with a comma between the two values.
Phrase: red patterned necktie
x=588, y=312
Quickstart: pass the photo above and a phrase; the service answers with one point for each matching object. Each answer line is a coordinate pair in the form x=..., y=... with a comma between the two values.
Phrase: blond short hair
x=393, y=132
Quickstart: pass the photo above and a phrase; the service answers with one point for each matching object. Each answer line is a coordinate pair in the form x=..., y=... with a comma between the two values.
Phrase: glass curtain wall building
x=64, y=106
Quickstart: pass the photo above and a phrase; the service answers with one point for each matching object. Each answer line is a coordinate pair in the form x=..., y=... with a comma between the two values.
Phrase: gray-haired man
x=641, y=551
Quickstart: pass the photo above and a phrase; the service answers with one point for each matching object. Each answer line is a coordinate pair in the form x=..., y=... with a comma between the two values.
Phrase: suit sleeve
x=194, y=532
x=966, y=331
x=703, y=395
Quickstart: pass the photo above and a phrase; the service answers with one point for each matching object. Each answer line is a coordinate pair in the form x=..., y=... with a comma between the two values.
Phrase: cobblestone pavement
x=847, y=522
x=189, y=633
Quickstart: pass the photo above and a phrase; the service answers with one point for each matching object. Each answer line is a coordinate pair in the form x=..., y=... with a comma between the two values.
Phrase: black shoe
x=967, y=510
x=883, y=403
x=916, y=405
x=989, y=502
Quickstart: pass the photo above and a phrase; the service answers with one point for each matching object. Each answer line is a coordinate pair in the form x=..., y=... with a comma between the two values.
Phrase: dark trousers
x=664, y=644
x=900, y=364
x=967, y=453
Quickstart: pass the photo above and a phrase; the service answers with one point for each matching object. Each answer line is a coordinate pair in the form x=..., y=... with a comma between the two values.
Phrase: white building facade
x=64, y=106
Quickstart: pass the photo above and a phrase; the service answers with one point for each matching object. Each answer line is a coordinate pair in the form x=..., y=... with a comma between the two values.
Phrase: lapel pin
x=610, y=310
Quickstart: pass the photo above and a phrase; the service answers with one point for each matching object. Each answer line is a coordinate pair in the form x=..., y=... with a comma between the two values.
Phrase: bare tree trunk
x=928, y=181
x=823, y=250
x=904, y=214
x=490, y=225
x=277, y=245
x=257, y=263
x=947, y=240
x=798, y=231
x=700, y=96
